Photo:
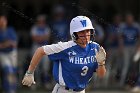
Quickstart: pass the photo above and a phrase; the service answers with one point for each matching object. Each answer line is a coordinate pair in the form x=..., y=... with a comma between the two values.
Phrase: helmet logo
x=83, y=22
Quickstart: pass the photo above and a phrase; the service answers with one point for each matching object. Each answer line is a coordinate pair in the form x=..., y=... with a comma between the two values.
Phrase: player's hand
x=28, y=79
x=101, y=56
x=136, y=57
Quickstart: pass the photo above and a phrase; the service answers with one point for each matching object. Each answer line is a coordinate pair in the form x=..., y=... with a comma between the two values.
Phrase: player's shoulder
x=67, y=44
x=33, y=28
x=60, y=46
x=136, y=25
x=94, y=43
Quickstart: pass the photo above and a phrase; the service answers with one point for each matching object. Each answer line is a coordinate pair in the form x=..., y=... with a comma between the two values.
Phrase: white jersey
x=73, y=65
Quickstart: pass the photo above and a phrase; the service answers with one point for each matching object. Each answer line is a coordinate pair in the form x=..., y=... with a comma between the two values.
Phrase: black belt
x=76, y=90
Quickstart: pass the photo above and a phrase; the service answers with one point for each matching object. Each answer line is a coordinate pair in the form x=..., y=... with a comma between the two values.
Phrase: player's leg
x=9, y=73
x=13, y=57
x=128, y=52
x=14, y=65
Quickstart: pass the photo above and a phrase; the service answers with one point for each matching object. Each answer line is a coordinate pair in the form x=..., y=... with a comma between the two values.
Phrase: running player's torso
x=73, y=65
x=40, y=31
x=5, y=35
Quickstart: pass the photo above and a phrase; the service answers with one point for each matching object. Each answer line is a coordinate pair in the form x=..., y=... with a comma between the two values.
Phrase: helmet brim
x=81, y=29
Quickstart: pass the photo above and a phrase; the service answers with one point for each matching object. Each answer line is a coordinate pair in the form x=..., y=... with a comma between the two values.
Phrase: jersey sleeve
x=96, y=46
x=55, y=51
x=33, y=31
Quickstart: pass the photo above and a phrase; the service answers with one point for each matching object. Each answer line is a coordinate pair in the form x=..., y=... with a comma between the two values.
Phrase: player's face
x=41, y=23
x=3, y=22
x=83, y=37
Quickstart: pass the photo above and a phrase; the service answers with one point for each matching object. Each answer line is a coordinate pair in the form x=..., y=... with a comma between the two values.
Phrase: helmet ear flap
x=74, y=36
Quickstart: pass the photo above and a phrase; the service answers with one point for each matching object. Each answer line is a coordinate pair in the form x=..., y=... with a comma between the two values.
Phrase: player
x=59, y=25
x=40, y=34
x=74, y=61
x=130, y=33
x=8, y=56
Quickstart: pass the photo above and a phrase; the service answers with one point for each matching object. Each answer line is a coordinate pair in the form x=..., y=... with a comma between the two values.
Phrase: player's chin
x=85, y=42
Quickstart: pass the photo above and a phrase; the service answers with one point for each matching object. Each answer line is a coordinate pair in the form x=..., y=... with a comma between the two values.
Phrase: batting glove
x=101, y=56
x=28, y=79
x=136, y=56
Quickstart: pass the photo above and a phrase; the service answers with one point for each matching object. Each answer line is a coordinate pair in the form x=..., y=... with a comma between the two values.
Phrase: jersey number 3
x=84, y=71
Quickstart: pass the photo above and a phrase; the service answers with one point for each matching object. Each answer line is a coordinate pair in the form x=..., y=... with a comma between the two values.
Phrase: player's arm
x=39, y=53
x=29, y=76
x=100, y=57
x=101, y=70
x=8, y=43
x=4, y=44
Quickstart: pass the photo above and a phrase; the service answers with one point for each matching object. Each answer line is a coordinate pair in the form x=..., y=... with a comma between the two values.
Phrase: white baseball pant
x=61, y=89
